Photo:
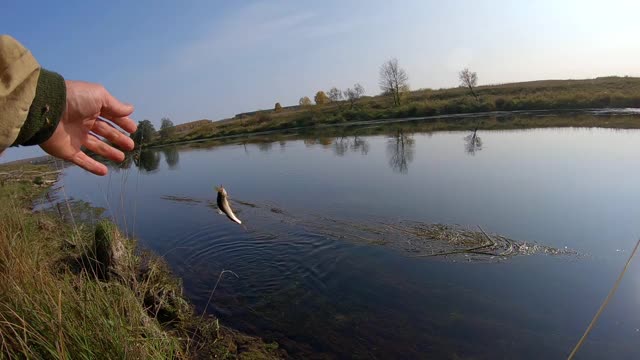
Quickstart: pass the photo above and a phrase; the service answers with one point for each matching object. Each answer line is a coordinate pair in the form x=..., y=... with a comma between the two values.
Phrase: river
x=304, y=282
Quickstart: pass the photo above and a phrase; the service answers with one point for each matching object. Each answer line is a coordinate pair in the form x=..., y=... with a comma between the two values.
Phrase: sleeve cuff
x=45, y=111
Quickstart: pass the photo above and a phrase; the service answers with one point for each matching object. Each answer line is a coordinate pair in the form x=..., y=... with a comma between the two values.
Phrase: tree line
x=333, y=95
x=146, y=132
x=393, y=81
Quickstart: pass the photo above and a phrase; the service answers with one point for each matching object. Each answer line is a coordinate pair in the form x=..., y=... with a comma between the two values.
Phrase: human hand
x=87, y=103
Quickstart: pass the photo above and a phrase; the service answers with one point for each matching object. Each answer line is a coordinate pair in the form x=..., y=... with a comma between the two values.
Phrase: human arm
x=38, y=107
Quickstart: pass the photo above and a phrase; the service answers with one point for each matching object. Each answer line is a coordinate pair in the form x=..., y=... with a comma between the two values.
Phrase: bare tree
x=354, y=94
x=359, y=90
x=393, y=80
x=334, y=94
x=469, y=79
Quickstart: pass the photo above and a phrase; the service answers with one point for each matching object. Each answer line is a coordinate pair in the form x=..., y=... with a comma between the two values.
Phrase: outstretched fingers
x=103, y=149
x=118, y=112
x=110, y=133
x=84, y=161
x=125, y=122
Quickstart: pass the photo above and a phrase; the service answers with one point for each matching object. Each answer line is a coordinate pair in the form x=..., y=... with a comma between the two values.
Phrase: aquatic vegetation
x=435, y=240
x=476, y=243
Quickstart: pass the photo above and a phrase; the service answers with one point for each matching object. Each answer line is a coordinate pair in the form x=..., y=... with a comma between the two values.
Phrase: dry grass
x=56, y=303
x=49, y=311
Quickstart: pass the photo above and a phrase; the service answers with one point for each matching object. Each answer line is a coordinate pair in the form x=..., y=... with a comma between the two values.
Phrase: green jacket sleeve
x=32, y=99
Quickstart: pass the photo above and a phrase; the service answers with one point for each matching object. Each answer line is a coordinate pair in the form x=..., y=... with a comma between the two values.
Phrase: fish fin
x=220, y=212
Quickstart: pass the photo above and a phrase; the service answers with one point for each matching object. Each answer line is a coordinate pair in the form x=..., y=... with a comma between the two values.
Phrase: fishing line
x=604, y=304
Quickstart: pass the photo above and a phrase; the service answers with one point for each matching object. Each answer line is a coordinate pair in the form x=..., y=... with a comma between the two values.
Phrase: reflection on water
x=400, y=148
x=147, y=160
x=320, y=294
x=360, y=144
x=171, y=156
x=472, y=143
x=311, y=141
x=265, y=146
x=341, y=145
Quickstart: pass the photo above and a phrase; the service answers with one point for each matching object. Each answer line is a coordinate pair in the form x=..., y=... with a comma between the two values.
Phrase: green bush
x=357, y=115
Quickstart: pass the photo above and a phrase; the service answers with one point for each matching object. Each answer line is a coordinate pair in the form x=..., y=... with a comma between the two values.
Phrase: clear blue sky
x=212, y=59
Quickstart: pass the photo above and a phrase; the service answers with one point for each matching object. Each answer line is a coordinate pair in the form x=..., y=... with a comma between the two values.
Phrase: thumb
x=113, y=108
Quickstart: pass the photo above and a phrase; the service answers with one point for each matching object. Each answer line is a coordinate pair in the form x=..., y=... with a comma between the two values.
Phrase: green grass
x=617, y=92
x=55, y=305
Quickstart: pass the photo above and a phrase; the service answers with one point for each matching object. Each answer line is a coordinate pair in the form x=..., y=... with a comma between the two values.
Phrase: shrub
x=357, y=115
x=262, y=118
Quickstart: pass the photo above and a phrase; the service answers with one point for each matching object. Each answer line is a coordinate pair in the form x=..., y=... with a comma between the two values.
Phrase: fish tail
x=232, y=216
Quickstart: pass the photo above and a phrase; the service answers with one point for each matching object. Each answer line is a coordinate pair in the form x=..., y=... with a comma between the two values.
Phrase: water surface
x=326, y=296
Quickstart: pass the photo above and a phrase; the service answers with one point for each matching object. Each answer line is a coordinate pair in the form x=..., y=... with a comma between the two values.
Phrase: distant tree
x=393, y=80
x=145, y=132
x=469, y=80
x=354, y=94
x=167, y=129
x=278, y=107
x=304, y=101
x=321, y=98
x=334, y=94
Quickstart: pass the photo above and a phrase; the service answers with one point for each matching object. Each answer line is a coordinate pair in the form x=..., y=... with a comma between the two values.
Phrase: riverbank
x=84, y=290
x=599, y=93
x=512, y=120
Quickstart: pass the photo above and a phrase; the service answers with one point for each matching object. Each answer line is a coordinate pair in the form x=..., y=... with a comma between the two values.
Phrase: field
x=605, y=92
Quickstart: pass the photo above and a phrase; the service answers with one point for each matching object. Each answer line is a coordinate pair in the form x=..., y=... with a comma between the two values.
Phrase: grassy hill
x=603, y=92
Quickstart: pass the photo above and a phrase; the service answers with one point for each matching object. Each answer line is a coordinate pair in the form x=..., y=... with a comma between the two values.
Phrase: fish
x=223, y=205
